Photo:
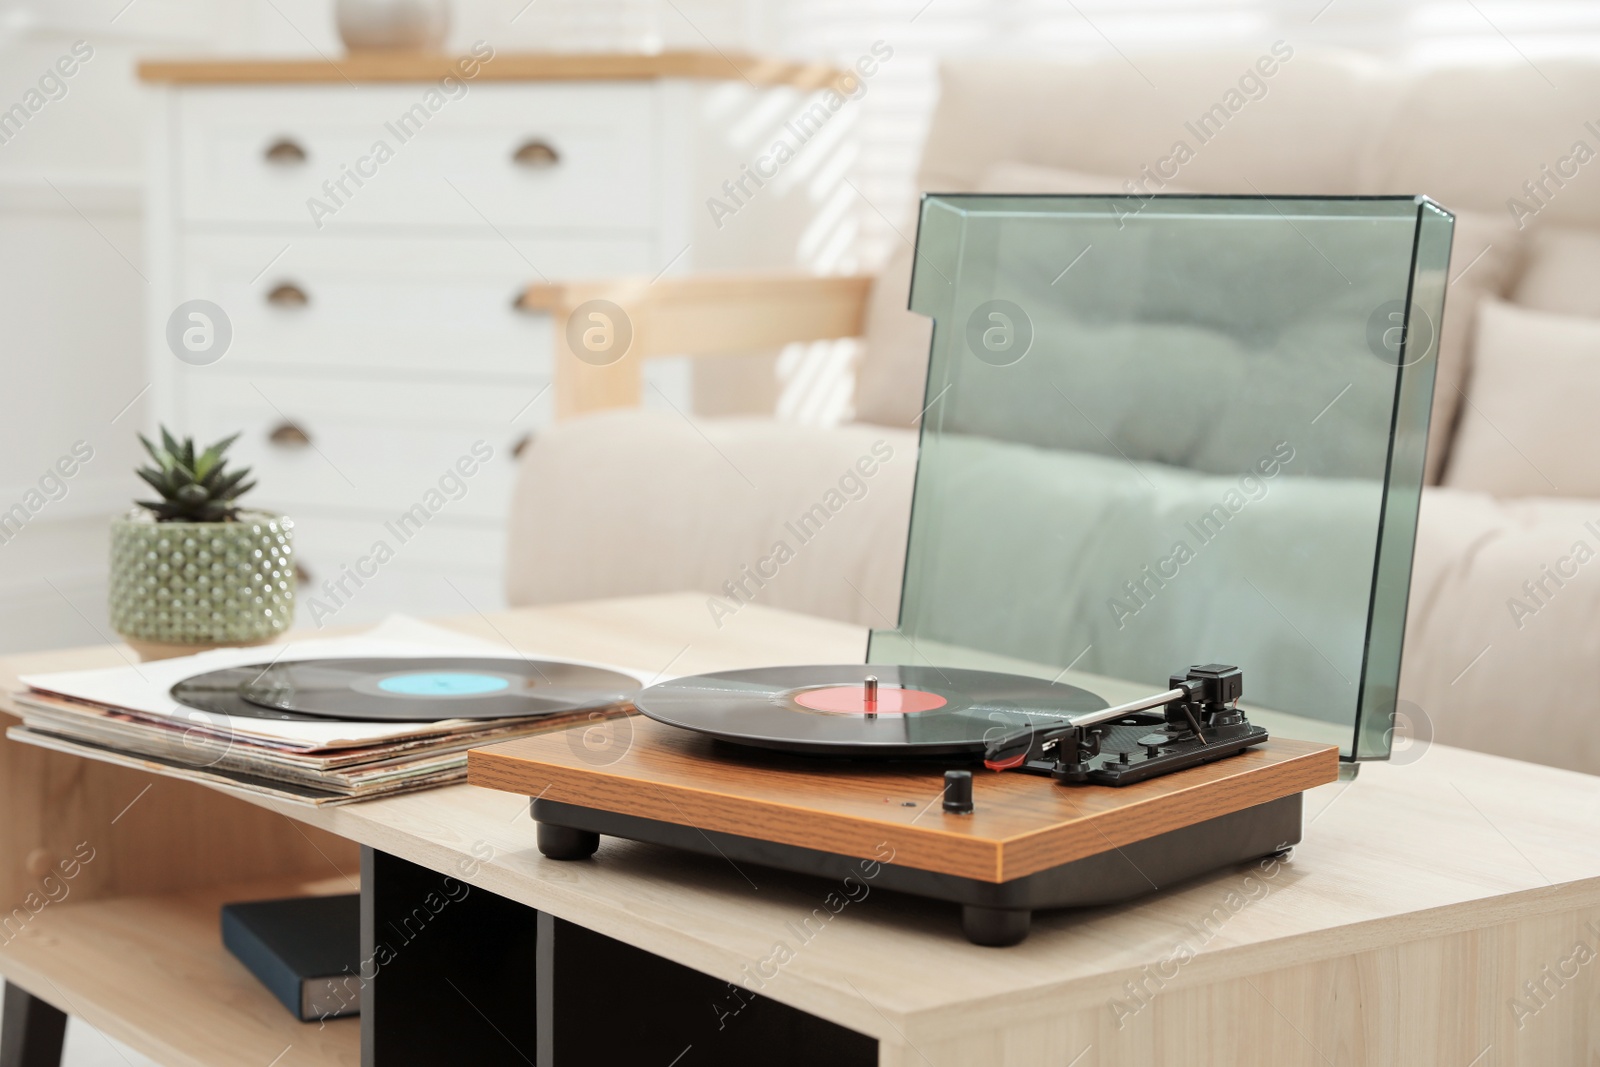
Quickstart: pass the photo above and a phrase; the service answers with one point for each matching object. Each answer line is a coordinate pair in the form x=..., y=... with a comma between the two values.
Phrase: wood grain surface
x=704, y=315
x=381, y=66
x=152, y=973
x=150, y=834
x=1021, y=824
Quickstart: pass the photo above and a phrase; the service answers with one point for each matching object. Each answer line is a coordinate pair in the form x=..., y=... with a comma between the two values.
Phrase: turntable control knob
x=958, y=792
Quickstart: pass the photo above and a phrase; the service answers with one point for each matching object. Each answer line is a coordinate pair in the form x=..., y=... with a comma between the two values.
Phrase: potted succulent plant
x=192, y=569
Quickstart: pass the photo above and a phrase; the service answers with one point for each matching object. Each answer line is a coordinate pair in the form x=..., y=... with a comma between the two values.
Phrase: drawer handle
x=521, y=445
x=288, y=435
x=288, y=295
x=536, y=154
x=284, y=153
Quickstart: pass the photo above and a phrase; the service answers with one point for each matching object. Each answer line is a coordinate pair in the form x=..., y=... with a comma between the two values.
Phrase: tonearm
x=1200, y=717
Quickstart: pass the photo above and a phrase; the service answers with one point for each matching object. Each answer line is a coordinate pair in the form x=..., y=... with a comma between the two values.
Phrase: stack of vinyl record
x=318, y=730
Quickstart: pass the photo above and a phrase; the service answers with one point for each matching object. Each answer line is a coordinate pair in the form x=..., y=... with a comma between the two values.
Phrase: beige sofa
x=627, y=501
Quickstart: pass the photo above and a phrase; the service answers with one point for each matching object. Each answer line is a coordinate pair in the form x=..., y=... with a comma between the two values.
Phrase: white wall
x=71, y=292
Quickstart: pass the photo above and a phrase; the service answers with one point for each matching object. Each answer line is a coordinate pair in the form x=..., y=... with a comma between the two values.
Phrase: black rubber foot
x=997, y=927
x=565, y=843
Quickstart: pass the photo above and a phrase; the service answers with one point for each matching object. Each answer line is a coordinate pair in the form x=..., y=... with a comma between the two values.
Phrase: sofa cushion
x=1500, y=636
x=893, y=371
x=1528, y=428
x=628, y=503
x=891, y=380
x=1106, y=123
x=1563, y=271
x=1106, y=117
x=1058, y=556
x=1250, y=307
x=1484, y=258
x=1013, y=177
x=1474, y=135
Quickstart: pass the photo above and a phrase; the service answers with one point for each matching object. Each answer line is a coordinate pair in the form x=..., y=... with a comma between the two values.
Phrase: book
x=305, y=950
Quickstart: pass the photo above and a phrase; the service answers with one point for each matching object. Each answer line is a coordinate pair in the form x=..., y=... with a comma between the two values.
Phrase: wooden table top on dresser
x=1433, y=914
x=380, y=66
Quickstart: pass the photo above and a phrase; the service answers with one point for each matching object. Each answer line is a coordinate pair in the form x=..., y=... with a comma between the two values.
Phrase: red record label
x=853, y=700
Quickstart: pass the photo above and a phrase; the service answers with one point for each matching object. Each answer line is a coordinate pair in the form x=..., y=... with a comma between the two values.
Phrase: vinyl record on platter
x=395, y=689
x=832, y=710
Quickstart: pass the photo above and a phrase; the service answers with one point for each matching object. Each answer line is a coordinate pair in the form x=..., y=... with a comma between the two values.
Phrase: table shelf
x=151, y=972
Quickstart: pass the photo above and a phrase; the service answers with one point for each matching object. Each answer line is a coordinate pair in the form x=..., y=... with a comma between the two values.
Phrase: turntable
x=999, y=844
x=1155, y=581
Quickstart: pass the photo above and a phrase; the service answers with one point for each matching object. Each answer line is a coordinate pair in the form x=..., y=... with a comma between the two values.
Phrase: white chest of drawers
x=366, y=229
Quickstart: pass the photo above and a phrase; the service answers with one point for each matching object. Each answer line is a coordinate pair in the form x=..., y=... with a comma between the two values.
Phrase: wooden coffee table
x=1432, y=915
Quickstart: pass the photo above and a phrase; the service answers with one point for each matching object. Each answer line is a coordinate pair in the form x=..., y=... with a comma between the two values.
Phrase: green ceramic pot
x=202, y=583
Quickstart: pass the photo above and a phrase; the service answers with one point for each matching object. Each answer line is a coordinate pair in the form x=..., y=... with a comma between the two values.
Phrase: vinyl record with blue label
x=404, y=690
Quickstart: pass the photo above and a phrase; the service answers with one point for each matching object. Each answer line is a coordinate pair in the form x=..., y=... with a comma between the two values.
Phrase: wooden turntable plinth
x=1028, y=843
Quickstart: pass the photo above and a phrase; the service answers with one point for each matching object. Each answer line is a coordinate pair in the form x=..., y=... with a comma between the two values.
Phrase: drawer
x=399, y=303
x=545, y=155
x=428, y=574
x=366, y=444
x=399, y=589
x=329, y=541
